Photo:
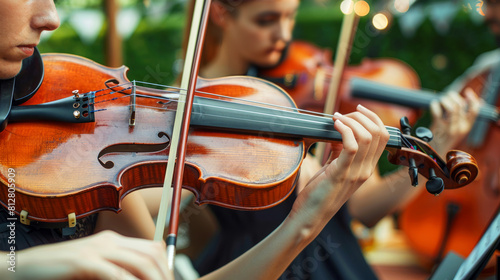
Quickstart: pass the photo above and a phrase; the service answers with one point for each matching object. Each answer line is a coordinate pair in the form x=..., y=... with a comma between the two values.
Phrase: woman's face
x=260, y=30
x=492, y=16
x=21, y=23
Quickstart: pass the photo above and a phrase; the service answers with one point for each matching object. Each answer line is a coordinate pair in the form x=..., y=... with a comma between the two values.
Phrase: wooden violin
x=89, y=137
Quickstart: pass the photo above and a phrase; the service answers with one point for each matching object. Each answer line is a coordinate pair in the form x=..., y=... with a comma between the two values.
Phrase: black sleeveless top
x=334, y=254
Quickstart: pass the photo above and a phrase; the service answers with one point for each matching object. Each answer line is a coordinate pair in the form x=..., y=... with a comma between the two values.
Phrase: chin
x=9, y=71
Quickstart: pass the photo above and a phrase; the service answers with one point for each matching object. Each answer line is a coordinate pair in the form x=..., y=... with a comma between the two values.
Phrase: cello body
x=455, y=221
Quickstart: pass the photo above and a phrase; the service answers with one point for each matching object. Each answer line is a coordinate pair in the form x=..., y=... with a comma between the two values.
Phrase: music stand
x=455, y=267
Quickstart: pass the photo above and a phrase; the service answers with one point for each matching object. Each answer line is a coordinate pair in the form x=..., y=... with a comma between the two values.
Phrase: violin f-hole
x=132, y=148
x=114, y=81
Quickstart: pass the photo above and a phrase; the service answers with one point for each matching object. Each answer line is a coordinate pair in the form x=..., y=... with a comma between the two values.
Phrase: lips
x=272, y=50
x=27, y=49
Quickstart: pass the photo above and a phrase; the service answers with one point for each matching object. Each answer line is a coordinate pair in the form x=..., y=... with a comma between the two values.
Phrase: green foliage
x=154, y=47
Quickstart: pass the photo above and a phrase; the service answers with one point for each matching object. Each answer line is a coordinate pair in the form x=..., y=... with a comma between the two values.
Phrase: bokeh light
x=439, y=61
x=346, y=6
x=361, y=8
x=402, y=6
x=380, y=21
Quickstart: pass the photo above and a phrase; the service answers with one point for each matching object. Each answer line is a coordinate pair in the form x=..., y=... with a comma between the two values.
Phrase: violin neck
x=266, y=121
x=361, y=88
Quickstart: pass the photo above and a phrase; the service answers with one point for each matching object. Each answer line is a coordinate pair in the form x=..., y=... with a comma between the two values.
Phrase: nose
x=44, y=16
x=284, y=30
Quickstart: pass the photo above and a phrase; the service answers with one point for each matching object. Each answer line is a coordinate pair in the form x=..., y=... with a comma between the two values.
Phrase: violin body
x=305, y=74
x=456, y=220
x=60, y=168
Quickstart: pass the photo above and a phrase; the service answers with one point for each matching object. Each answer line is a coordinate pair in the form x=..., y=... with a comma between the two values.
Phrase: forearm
x=7, y=267
x=106, y=255
x=270, y=258
x=29, y=265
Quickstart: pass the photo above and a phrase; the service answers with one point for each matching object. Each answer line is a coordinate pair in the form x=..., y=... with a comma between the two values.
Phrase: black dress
x=334, y=254
x=13, y=233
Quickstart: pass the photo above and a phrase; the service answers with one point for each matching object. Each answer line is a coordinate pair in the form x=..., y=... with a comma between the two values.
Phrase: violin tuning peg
x=435, y=185
x=424, y=134
x=405, y=125
x=413, y=172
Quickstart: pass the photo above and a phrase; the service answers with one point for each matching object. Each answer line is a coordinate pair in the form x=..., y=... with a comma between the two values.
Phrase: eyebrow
x=273, y=13
x=268, y=13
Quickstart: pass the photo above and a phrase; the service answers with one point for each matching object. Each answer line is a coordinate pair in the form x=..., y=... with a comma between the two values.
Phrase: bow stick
x=181, y=130
x=349, y=25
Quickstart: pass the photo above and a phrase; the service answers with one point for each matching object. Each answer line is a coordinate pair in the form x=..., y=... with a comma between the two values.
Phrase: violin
x=457, y=220
x=90, y=136
x=305, y=74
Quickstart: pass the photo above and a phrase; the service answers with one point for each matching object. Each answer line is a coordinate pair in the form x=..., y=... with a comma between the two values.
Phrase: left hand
x=364, y=138
x=453, y=118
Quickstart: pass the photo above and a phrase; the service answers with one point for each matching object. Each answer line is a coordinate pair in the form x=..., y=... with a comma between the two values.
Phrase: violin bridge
x=131, y=122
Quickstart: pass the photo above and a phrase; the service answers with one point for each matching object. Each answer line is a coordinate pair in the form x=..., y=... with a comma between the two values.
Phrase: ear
x=218, y=14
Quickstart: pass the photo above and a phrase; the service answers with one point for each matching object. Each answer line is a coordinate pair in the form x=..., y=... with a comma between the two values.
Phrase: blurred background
x=439, y=39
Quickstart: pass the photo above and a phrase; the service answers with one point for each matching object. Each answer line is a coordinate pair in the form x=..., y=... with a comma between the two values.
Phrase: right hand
x=106, y=255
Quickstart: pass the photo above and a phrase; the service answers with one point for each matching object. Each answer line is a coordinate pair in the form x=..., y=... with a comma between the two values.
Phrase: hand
x=364, y=138
x=453, y=118
x=106, y=255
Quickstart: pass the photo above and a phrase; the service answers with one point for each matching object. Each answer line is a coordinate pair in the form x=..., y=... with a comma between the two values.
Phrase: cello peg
x=435, y=185
x=405, y=125
x=423, y=133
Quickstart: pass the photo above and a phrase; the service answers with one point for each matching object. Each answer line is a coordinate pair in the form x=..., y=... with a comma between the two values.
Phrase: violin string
x=396, y=134
x=111, y=92
x=179, y=90
x=93, y=93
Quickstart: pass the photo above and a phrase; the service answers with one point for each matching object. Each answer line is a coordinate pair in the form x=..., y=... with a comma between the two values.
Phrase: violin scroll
x=463, y=167
x=457, y=171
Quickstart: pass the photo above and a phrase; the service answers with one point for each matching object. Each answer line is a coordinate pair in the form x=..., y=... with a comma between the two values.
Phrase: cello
x=460, y=218
x=457, y=219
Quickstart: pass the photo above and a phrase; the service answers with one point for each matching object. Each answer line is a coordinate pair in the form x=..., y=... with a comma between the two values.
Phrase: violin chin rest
x=29, y=79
